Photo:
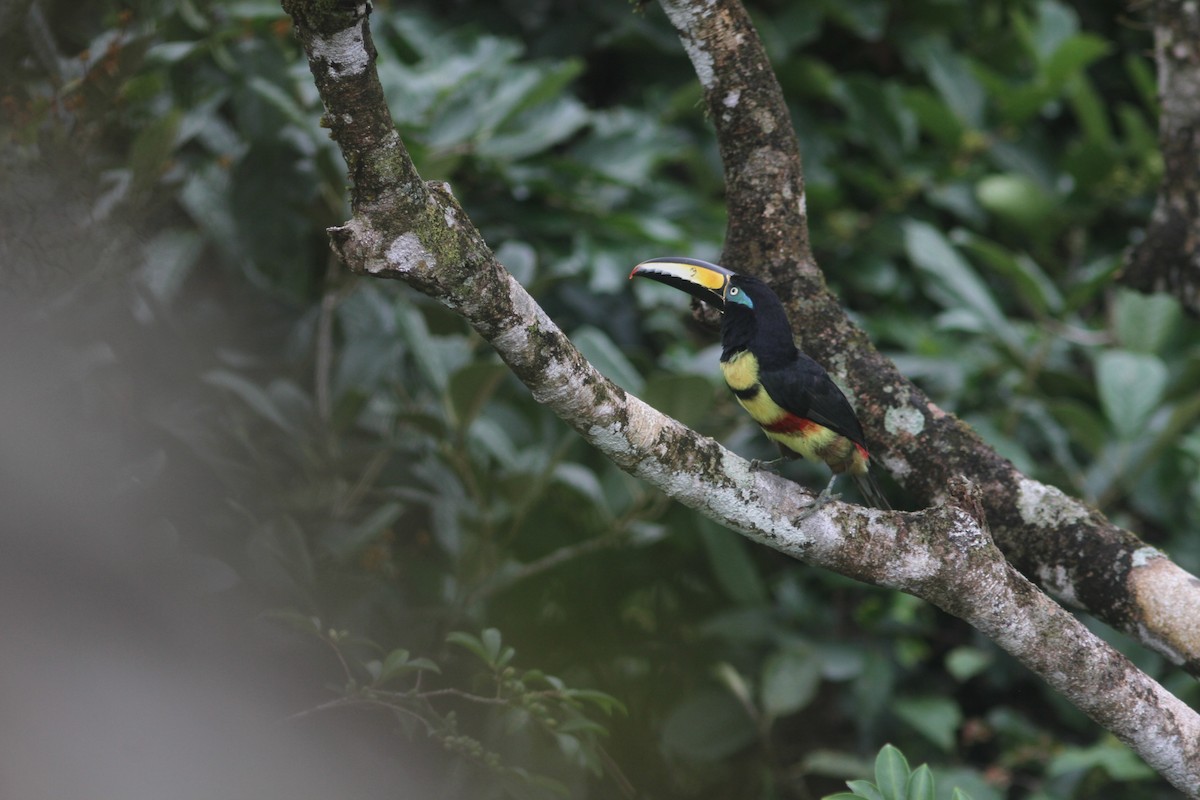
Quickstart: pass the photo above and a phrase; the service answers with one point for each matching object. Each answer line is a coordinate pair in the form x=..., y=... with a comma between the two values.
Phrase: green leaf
x=1131, y=385
x=937, y=718
x=304, y=623
x=607, y=357
x=966, y=662
x=584, y=481
x=952, y=281
x=952, y=76
x=438, y=357
x=1073, y=56
x=866, y=18
x=345, y=542
x=708, y=726
x=470, y=642
x=1017, y=199
x=959, y=794
x=1141, y=74
x=519, y=258
x=605, y=702
x=1055, y=23
x=171, y=52
x=833, y=763
x=152, y=147
x=1034, y=286
x=1145, y=322
x=730, y=561
x=393, y=664
x=891, y=773
x=1093, y=113
x=491, y=644
x=1117, y=760
x=254, y=10
x=542, y=128
x=873, y=686
x=250, y=394
x=865, y=789
x=790, y=679
x=284, y=102
x=168, y=259
x=471, y=387
x=920, y=784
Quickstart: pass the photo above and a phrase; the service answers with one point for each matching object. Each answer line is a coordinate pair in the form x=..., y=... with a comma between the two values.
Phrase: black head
x=755, y=320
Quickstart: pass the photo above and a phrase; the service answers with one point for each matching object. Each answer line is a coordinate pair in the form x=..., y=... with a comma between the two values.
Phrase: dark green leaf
x=790, y=680
x=1131, y=385
x=951, y=75
x=1017, y=199
x=471, y=387
x=891, y=773
x=729, y=559
x=1109, y=755
x=708, y=726
x=152, y=147
x=346, y=542
x=920, y=784
x=1073, y=56
x=1145, y=322
x=866, y=18
x=1034, y=286
x=866, y=789
x=471, y=643
x=938, y=718
x=951, y=279
x=253, y=396
x=966, y=662
x=605, y=702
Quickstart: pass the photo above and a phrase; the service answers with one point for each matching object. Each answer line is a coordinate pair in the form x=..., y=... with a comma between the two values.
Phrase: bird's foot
x=824, y=497
x=769, y=466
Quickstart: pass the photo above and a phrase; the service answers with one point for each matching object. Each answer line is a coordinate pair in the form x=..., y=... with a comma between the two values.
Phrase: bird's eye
x=734, y=291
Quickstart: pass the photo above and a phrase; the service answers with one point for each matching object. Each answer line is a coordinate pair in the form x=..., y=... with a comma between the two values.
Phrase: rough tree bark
x=1168, y=258
x=410, y=230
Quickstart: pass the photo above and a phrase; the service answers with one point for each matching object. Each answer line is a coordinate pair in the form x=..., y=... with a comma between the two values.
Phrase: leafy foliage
x=974, y=173
x=894, y=780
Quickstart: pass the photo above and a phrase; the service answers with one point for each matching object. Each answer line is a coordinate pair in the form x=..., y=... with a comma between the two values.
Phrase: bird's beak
x=700, y=279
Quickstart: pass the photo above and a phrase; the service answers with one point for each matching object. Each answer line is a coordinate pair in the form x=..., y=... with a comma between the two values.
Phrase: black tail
x=870, y=491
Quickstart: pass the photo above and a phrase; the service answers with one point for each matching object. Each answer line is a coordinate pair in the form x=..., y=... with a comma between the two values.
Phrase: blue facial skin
x=736, y=295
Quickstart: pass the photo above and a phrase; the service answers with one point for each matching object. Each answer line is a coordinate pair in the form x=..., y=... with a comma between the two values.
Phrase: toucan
x=790, y=396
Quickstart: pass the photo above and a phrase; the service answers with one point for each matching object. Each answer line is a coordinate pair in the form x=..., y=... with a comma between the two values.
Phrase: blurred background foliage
x=453, y=555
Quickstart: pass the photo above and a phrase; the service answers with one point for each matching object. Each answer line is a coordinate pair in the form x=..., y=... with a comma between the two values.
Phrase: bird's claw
x=826, y=495
x=756, y=465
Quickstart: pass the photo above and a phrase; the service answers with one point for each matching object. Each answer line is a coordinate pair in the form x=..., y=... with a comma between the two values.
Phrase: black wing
x=805, y=389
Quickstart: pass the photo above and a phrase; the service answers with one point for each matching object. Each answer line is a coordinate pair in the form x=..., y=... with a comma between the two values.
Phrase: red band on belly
x=790, y=423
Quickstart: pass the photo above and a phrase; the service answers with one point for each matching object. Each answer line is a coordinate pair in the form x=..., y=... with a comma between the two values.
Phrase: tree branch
x=1168, y=258
x=1071, y=550
x=407, y=229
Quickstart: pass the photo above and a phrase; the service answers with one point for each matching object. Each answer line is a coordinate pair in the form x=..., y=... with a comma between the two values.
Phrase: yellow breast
x=740, y=371
x=741, y=374
x=802, y=437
